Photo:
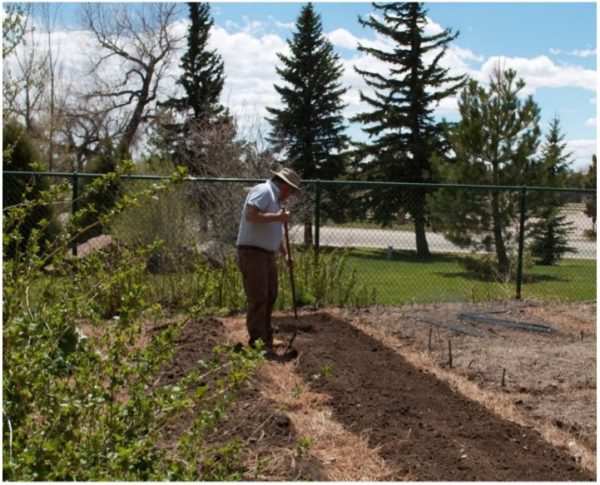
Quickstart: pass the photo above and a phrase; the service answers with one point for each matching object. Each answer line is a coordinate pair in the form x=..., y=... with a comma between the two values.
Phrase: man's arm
x=254, y=215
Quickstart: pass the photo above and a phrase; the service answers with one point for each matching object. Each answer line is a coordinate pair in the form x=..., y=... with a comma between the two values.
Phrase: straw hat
x=289, y=177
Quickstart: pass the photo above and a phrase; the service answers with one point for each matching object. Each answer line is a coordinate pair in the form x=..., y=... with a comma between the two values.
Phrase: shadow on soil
x=422, y=428
x=527, y=278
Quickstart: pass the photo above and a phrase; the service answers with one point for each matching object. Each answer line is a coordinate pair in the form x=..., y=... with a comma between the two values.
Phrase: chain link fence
x=402, y=242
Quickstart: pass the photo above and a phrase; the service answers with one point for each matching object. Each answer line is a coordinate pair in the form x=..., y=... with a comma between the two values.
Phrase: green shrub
x=20, y=154
x=485, y=266
x=323, y=280
x=102, y=199
x=170, y=219
x=91, y=407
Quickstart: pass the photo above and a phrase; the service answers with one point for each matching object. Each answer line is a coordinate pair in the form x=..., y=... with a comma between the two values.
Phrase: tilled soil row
x=419, y=422
x=421, y=428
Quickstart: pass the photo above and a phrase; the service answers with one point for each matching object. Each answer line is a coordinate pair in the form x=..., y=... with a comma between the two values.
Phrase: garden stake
x=291, y=268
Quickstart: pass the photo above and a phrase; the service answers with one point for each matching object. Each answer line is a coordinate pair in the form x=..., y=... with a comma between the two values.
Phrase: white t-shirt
x=265, y=197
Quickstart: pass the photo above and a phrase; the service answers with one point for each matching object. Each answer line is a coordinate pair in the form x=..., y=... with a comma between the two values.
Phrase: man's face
x=285, y=191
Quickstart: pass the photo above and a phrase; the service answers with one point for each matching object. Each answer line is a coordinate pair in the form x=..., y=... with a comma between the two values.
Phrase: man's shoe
x=291, y=354
x=270, y=354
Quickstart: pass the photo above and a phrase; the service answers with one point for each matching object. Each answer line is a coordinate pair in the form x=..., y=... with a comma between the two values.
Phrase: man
x=260, y=236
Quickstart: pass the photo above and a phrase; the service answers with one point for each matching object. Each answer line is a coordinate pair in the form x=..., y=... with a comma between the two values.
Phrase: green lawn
x=442, y=278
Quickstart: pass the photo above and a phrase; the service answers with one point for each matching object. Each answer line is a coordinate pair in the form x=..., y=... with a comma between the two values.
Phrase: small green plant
x=297, y=391
x=303, y=446
x=324, y=372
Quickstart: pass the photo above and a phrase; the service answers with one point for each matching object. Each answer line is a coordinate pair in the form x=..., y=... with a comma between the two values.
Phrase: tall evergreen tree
x=203, y=69
x=495, y=143
x=550, y=230
x=198, y=131
x=403, y=134
x=308, y=130
x=202, y=81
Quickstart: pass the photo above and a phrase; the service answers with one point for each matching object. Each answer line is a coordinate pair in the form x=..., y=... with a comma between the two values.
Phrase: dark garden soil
x=361, y=386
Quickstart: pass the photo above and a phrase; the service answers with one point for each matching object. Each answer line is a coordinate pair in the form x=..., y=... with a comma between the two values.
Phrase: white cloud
x=583, y=53
x=432, y=28
x=250, y=63
x=250, y=57
x=282, y=25
x=582, y=151
x=541, y=72
x=343, y=38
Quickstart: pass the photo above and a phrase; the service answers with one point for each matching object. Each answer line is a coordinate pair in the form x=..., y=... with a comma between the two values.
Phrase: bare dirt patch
x=373, y=396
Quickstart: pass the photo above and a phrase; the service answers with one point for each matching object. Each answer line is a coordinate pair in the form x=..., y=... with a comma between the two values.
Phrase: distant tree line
x=91, y=127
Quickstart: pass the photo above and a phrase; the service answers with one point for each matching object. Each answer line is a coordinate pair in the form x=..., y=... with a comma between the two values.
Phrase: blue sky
x=552, y=46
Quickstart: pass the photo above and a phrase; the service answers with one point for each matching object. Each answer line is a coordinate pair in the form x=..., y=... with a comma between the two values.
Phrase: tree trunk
x=143, y=98
x=503, y=263
x=308, y=231
x=419, y=218
x=421, y=239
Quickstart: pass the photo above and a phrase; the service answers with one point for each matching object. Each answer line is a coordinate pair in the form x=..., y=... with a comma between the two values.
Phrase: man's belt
x=256, y=248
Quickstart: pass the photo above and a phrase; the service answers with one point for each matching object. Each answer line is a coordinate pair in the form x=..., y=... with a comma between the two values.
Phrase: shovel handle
x=291, y=268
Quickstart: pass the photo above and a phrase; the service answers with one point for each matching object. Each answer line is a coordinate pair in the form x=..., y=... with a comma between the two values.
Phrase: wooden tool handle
x=291, y=268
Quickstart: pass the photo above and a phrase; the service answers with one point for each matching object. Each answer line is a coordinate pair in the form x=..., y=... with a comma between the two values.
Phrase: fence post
x=74, y=197
x=522, y=210
x=317, y=216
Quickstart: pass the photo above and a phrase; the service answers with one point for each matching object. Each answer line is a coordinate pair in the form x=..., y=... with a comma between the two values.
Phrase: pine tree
x=495, y=143
x=400, y=124
x=198, y=131
x=203, y=69
x=308, y=130
x=202, y=81
x=551, y=230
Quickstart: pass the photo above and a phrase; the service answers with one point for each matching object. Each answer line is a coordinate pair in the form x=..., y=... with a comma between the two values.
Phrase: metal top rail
x=358, y=183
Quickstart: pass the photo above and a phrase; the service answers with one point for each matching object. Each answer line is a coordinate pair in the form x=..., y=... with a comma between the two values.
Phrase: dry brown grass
x=343, y=455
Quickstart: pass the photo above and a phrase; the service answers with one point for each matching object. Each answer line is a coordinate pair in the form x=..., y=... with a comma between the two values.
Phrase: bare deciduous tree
x=136, y=48
x=14, y=27
x=25, y=76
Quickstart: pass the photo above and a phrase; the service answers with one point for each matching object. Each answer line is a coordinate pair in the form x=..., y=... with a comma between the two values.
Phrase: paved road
x=382, y=238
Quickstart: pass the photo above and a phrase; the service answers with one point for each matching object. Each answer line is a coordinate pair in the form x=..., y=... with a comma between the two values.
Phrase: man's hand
x=283, y=215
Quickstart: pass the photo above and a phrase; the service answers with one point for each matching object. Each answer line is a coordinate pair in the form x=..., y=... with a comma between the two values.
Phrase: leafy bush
x=323, y=280
x=102, y=199
x=20, y=154
x=204, y=289
x=170, y=219
x=90, y=407
x=485, y=267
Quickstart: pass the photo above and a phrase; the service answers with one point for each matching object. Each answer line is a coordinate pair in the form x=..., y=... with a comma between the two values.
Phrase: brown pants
x=259, y=270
